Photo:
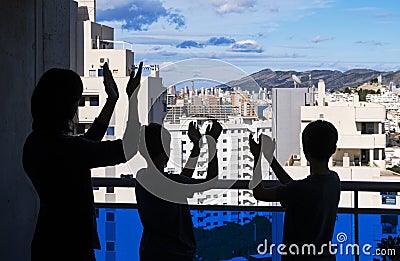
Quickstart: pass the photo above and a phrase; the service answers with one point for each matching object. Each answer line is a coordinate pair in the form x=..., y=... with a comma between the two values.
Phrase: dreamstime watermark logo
x=341, y=237
x=342, y=248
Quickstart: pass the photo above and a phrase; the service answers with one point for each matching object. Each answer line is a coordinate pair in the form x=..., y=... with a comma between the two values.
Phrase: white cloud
x=320, y=38
x=233, y=6
x=246, y=46
x=111, y=4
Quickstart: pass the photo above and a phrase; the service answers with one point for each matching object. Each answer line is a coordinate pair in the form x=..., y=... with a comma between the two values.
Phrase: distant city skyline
x=257, y=34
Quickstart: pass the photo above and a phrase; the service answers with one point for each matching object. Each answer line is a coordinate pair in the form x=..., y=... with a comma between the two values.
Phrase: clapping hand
x=255, y=148
x=194, y=133
x=265, y=144
x=268, y=147
x=134, y=81
x=215, y=130
x=109, y=84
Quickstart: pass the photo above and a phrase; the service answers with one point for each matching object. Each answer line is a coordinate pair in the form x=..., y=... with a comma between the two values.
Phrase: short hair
x=156, y=139
x=319, y=140
x=55, y=99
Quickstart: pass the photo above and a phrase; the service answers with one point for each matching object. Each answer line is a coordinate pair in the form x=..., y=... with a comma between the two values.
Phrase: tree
x=374, y=80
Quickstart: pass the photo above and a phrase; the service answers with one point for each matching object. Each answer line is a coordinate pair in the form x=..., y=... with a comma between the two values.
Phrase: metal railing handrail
x=354, y=186
x=366, y=186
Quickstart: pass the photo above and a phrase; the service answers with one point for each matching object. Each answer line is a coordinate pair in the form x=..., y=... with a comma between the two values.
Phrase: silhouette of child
x=59, y=163
x=162, y=197
x=311, y=203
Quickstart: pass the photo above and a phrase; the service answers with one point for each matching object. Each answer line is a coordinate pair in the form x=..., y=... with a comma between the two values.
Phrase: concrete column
x=371, y=157
x=380, y=154
x=379, y=128
x=28, y=47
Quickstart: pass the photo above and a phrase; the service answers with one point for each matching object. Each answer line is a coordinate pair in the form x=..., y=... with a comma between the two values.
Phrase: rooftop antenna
x=296, y=81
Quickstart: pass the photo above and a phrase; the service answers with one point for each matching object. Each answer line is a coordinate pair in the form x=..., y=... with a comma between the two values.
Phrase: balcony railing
x=354, y=215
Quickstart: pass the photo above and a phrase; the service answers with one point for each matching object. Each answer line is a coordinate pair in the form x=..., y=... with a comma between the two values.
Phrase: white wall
x=286, y=129
x=33, y=38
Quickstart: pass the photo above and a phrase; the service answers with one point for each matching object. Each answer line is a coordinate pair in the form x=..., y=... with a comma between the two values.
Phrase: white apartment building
x=97, y=46
x=236, y=112
x=360, y=148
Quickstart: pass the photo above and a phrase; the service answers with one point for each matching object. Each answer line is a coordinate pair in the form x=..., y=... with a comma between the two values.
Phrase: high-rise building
x=97, y=46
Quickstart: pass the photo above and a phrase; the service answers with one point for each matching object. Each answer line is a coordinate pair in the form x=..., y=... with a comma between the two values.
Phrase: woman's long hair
x=55, y=100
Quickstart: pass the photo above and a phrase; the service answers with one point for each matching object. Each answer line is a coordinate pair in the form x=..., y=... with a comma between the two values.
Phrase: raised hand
x=109, y=83
x=194, y=133
x=215, y=130
x=255, y=148
x=268, y=147
x=134, y=81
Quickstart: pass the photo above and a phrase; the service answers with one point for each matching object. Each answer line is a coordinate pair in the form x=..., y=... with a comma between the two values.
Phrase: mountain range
x=333, y=79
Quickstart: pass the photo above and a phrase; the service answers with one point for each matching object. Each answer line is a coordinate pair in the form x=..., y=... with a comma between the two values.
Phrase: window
x=367, y=128
x=389, y=224
x=92, y=73
x=183, y=151
x=224, y=141
x=110, y=246
x=100, y=72
x=110, y=190
x=224, y=150
x=110, y=131
x=224, y=168
x=389, y=198
x=223, y=159
x=110, y=216
x=224, y=195
x=183, y=132
x=215, y=214
x=224, y=177
x=115, y=71
x=82, y=101
x=94, y=101
x=224, y=131
x=184, y=142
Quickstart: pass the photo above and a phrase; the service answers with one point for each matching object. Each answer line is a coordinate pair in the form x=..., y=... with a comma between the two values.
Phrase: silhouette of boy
x=162, y=197
x=311, y=204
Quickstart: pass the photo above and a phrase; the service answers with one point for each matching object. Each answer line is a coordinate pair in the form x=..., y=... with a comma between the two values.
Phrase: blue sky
x=257, y=34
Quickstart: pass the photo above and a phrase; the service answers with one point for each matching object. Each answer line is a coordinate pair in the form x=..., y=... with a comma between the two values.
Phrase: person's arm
x=195, y=137
x=268, y=148
x=212, y=135
x=131, y=136
x=259, y=192
x=99, y=127
x=93, y=154
x=280, y=173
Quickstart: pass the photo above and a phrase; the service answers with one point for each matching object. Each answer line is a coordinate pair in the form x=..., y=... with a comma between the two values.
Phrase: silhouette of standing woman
x=59, y=163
